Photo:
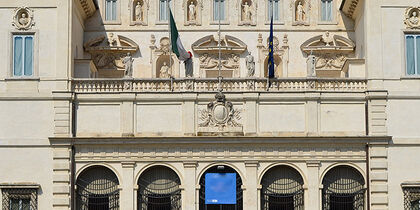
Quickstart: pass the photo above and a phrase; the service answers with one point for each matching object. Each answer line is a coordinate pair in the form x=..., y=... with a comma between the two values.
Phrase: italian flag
x=177, y=47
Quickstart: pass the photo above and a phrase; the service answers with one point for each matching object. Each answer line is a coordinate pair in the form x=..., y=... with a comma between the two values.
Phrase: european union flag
x=271, y=52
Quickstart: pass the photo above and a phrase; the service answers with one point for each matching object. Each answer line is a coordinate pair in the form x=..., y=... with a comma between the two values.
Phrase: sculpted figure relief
x=411, y=17
x=112, y=40
x=164, y=71
x=327, y=39
x=191, y=11
x=300, y=12
x=414, y=19
x=250, y=64
x=23, y=20
x=247, y=12
x=128, y=65
x=138, y=12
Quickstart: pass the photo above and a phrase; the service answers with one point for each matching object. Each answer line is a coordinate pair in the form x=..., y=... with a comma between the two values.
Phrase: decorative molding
x=281, y=56
x=88, y=7
x=349, y=6
x=159, y=56
x=144, y=7
x=220, y=116
x=412, y=18
x=194, y=19
x=251, y=8
x=23, y=18
x=306, y=7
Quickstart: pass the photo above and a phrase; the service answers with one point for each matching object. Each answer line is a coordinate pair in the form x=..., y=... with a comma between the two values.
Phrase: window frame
x=35, y=54
x=280, y=21
x=225, y=21
x=409, y=189
x=333, y=14
x=14, y=191
x=23, y=54
x=416, y=65
x=117, y=20
x=158, y=20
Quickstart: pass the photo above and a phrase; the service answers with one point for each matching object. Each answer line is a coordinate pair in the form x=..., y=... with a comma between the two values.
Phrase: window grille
x=97, y=189
x=282, y=188
x=23, y=55
x=411, y=198
x=239, y=191
x=343, y=189
x=412, y=54
x=19, y=199
x=159, y=189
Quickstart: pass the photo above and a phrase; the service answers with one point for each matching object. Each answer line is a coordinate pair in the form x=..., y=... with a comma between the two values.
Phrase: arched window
x=159, y=189
x=327, y=10
x=202, y=194
x=343, y=189
x=97, y=188
x=282, y=188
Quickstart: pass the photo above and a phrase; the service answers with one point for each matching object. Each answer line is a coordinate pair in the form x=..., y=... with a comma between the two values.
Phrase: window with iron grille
x=411, y=198
x=19, y=198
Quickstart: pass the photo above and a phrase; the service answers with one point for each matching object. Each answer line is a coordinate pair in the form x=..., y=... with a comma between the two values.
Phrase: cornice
x=349, y=7
x=88, y=7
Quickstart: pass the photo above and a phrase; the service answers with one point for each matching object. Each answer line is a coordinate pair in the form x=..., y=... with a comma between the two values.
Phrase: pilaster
x=127, y=194
x=127, y=115
x=62, y=114
x=61, y=178
x=188, y=197
x=251, y=183
x=188, y=114
x=250, y=113
x=378, y=174
x=312, y=113
x=377, y=102
x=312, y=194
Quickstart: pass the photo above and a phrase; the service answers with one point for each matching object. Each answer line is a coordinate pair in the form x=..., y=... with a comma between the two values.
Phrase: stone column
x=188, y=200
x=127, y=194
x=251, y=185
x=312, y=200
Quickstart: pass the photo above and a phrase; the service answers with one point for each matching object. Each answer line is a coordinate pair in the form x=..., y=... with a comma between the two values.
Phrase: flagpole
x=170, y=37
x=268, y=72
x=220, y=53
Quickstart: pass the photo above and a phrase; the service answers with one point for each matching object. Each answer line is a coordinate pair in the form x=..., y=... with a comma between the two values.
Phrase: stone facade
x=105, y=92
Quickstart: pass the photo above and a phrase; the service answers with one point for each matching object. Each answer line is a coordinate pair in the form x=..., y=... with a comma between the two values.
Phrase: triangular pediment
x=227, y=44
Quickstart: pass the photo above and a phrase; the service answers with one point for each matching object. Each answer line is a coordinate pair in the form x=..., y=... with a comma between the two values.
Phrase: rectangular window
x=111, y=10
x=19, y=198
x=218, y=10
x=273, y=10
x=23, y=55
x=413, y=54
x=163, y=10
x=326, y=10
x=20, y=204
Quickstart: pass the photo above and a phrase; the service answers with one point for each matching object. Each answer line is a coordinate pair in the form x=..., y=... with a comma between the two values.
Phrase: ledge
x=19, y=185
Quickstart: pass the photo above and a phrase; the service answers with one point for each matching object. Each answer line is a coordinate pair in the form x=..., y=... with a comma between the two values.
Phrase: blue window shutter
x=114, y=10
x=28, y=64
x=411, y=65
x=222, y=10
x=276, y=10
x=418, y=54
x=17, y=56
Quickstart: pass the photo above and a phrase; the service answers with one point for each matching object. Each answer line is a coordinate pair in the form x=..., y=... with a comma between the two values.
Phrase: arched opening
x=159, y=189
x=221, y=169
x=343, y=189
x=163, y=67
x=282, y=188
x=278, y=67
x=97, y=188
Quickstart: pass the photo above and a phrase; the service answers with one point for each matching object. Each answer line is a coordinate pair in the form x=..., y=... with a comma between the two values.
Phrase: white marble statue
x=23, y=20
x=138, y=12
x=112, y=40
x=191, y=10
x=164, y=71
x=414, y=19
x=128, y=65
x=327, y=39
x=300, y=12
x=247, y=13
x=250, y=64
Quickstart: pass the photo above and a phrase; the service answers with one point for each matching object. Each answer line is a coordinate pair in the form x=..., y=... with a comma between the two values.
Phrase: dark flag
x=271, y=52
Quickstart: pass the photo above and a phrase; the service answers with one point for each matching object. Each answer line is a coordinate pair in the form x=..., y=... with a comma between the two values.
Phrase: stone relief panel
x=139, y=10
x=207, y=49
x=281, y=56
x=192, y=12
x=112, y=55
x=301, y=12
x=23, y=18
x=164, y=63
x=219, y=116
x=247, y=12
x=327, y=54
x=412, y=18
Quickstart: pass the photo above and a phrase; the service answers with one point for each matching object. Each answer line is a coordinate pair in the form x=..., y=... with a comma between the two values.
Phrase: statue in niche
x=112, y=40
x=164, y=71
x=191, y=11
x=327, y=39
x=250, y=64
x=300, y=12
x=247, y=13
x=414, y=19
x=24, y=20
x=128, y=65
x=138, y=12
